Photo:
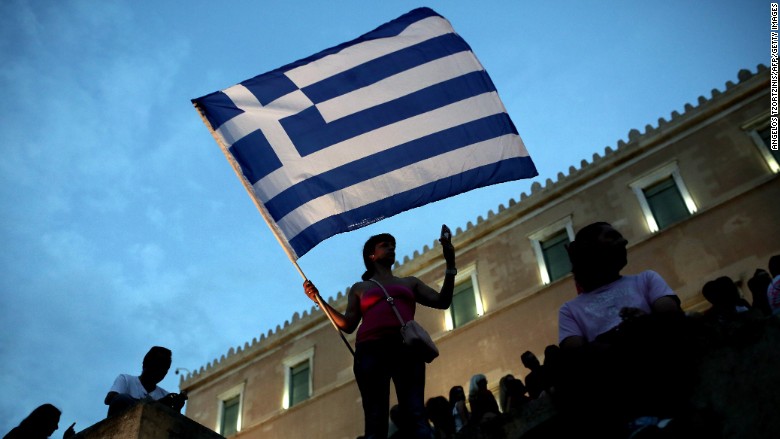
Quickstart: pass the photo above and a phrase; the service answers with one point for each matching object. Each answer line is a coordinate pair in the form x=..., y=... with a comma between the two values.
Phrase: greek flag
x=400, y=117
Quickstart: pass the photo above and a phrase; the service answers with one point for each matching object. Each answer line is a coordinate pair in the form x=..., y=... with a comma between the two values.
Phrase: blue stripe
x=309, y=133
x=388, y=161
x=270, y=86
x=387, y=30
x=507, y=170
x=255, y=155
x=385, y=67
x=217, y=108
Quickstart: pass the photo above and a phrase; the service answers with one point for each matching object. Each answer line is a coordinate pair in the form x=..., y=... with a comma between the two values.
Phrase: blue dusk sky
x=123, y=226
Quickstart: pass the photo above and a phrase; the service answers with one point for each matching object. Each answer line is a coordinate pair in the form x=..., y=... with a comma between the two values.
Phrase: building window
x=229, y=411
x=761, y=134
x=230, y=416
x=298, y=378
x=299, y=383
x=550, y=247
x=663, y=197
x=466, y=300
x=665, y=202
x=556, y=258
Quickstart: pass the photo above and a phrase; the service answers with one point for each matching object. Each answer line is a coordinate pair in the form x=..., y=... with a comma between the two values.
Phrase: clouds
x=123, y=226
x=92, y=219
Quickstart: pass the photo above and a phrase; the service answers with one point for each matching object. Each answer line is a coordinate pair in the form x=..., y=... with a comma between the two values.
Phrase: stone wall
x=148, y=420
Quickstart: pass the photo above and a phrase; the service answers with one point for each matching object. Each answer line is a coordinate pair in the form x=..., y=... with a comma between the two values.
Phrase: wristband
x=452, y=271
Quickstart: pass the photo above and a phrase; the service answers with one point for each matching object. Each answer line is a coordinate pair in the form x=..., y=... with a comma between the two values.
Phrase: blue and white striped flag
x=400, y=117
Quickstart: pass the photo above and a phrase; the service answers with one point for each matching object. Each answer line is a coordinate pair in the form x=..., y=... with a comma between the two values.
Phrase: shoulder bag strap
x=391, y=301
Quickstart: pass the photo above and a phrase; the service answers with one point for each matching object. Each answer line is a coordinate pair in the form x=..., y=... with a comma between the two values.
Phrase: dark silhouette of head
x=774, y=265
x=457, y=394
x=758, y=285
x=597, y=255
x=41, y=423
x=722, y=293
x=440, y=414
x=156, y=364
x=368, y=250
x=552, y=354
x=478, y=382
x=529, y=360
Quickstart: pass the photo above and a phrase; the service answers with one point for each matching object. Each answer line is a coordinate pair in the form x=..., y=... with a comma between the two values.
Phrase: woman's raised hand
x=310, y=290
x=446, y=243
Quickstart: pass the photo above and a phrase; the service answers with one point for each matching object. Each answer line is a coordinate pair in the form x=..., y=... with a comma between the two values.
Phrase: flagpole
x=267, y=217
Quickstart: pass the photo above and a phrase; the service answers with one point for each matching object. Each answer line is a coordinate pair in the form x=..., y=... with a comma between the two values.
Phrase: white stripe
x=256, y=117
x=361, y=53
x=378, y=140
x=399, y=85
x=401, y=180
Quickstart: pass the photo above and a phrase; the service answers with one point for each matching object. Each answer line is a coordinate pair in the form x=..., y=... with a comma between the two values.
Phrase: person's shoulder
x=652, y=277
x=360, y=286
x=15, y=433
x=161, y=390
x=573, y=300
x=649, y=274
x=409, y=280
x=643, y=278
x=126, y=377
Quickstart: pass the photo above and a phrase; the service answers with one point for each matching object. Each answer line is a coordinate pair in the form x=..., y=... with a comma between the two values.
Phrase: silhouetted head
x=721, y=292
x=529, y=360
x=774, y=265
x=457, y=394
x=370, y=256
x=478, y=382
x=511, y=385
x=552, y=354
x=439, y=412
x=506, y=382
x=597, y=255
x=759, y=283
x=156, y=364
x=42, y=422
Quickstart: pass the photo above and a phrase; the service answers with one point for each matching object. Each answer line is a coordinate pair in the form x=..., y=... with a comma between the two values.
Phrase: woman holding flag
x=380, y=354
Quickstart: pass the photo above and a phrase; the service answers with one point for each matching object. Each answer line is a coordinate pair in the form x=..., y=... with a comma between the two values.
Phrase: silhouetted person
x=617, y=339
x=597, y=255
x=512, y=393
x=440, y=415
x=40, y=424
x=552, y=366
x=536, y=381
x=460, y=412
x=483, y=403
x=773, y=290
x=128, y=390
x=724, y=297
x=758, y=285
x=401, y=425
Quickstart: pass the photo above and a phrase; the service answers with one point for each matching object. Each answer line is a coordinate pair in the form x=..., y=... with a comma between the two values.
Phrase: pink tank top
x=379, y=320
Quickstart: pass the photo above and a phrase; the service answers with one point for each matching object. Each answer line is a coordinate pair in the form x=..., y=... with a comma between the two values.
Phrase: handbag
x=414, y=335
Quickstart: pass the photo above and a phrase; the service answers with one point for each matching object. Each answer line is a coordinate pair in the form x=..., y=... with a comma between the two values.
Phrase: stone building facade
x=697, y=197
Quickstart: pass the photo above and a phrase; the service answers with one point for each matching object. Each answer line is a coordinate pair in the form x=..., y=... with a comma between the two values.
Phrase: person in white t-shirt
x=606, y=297
x=128, y=390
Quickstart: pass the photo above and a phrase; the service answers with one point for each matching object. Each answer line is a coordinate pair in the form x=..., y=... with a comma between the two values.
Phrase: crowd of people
x=624, y=366
x=627, y=358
